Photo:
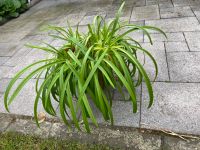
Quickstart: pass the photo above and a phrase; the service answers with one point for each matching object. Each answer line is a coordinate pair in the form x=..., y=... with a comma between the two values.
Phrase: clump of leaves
x=12, y=8
x=86, y=65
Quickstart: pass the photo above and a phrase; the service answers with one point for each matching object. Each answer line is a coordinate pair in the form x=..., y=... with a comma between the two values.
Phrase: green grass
x=13, y=141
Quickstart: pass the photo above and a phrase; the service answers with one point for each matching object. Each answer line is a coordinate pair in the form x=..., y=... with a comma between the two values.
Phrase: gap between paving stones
x=113, y=136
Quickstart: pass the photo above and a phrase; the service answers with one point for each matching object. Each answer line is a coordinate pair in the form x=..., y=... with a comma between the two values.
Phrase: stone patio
x=177, y=89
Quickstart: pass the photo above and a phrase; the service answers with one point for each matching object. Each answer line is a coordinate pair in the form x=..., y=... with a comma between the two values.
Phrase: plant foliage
x=12, y=8
x=85, y=68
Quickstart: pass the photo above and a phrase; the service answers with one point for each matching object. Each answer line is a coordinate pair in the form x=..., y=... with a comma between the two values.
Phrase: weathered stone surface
x=171, y=37
x=7, y=49
x=174, y=108
x=193, y=40
x=59, y=130
x=4, y=84
x=176, y=12
x=88, y=18
x=23, y=104
x=119, y=138
x=176, y=47
x=172, y=143
x=158, y=52
x=4, y=70
x=196, y=10
x=184, y=66
x=176, y=24
x=145, y=13
x=186, y=2
x=30, y=127
x=4, y=122
x=3, y=60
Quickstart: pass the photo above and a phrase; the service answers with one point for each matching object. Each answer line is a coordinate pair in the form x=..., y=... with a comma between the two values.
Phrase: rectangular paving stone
x=130, y=3
x=23, y=104
x=189, y=64
x=126, y=117
x=3, y=60
x=175, y=108
x=176, y=12
x=145, y=13
x=193, y=41
x=7, y=49
x=29, y=127
x=4, y=122
x=4, y=70
x=88, y=19
x=158, y=52
x=176, y=47
x=173, y=143
x=186, y=2
x=3, y=85
x=176, y=24
x=33, y=56
x=171, y=37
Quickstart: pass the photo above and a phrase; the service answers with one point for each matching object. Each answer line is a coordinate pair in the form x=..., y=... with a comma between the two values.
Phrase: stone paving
x=177, y=88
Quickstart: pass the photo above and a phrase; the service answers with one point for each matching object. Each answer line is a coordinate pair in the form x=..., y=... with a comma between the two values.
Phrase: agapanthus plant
x=86, y=68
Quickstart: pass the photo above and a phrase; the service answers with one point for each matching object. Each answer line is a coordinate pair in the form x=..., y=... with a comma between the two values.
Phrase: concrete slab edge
x=113, y=136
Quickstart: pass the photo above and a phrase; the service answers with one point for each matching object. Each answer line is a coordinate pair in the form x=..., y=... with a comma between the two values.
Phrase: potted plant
x=86, y=65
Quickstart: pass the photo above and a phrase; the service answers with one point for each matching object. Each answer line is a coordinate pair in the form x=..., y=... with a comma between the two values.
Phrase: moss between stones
x=13, y=141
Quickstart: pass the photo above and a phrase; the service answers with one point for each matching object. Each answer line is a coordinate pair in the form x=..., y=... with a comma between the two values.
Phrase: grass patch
x=13, y=141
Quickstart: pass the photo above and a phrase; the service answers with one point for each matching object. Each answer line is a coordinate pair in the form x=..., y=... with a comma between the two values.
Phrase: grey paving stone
x=158, y=52
x=3, y=60
x=176, y=47
x=175, y=108
x=4, y=70
x=136, y=35
x=189, y=64
x=171, y=37
x=88, y=19
x=59, y=130
x=73, y=19
x=126, y=117
x=176, y=24
x=23, y=104
x=176, y=12
x=121, y=139
x=33, y=56
x=167, y=4
x=14, y=37
x=4, y=84
x=186, y=2
x=193, y=40
x=29, y=127
x=7, y=49
x=145, y=13
x=4, y=122
x=172, y=143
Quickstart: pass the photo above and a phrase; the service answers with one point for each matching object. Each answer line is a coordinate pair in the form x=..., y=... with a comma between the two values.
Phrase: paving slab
x=3, y=60
x=158, y=52
x=171, y=37
x=189, y=64
x=176, y=24
x=5, y=121
x=23, y=104
x=171, y=143
x=145, y=13
x=173, y=12
x=192, y=39
x=4, y=70
x=186, y=2
x=88, y=18
x=29, y=127
x=176, y=108
x=176, y=47
x=7, y=49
